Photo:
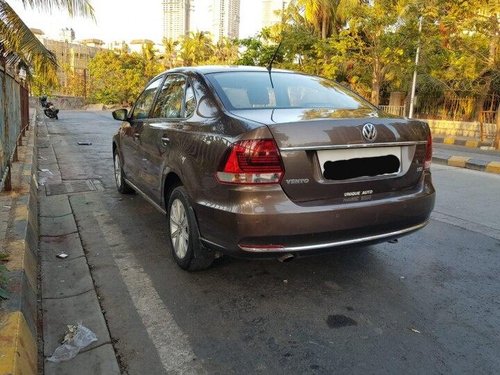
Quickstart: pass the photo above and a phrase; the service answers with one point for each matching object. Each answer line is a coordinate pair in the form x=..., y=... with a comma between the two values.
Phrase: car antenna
x=270, y=65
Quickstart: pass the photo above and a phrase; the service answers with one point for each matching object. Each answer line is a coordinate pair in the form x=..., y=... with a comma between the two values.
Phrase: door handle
x=137, y=135
x=165, y=141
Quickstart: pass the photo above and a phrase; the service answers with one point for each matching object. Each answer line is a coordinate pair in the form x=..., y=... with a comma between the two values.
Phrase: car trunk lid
x=327, y=157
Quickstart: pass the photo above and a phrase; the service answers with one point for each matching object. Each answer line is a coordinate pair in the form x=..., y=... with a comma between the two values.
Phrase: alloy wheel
x=118, y=171
x=179, y=229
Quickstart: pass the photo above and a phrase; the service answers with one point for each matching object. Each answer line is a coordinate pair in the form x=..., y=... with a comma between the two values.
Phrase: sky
x=118, y=20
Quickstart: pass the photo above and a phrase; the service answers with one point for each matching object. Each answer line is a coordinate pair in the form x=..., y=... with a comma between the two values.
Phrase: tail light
x=428, y=153
x=255, y=161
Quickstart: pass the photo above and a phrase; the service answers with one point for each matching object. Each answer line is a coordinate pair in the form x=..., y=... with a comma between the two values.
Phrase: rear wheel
x=121, y=185
x=187, y=250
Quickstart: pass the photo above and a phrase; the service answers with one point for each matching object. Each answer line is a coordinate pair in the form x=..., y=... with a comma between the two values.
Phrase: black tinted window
x=145, y=100
x=249, y=90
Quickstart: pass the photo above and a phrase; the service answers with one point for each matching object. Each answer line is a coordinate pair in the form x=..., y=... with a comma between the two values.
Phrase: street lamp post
x=414, y=83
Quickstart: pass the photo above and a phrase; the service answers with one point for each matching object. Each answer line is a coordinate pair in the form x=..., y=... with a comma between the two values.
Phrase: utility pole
x=414, y=83
x=496, y=143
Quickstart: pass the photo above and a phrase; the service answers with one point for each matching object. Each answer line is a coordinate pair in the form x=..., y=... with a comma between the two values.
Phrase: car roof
x=207, y=69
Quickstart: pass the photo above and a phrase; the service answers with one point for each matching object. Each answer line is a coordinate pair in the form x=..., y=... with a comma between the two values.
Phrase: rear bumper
x=263, y=222
x=339, y=243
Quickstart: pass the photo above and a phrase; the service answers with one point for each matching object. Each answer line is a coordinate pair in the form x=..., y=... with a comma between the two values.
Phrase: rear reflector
x=260, y=248
x=428, y=153
x=255, y=161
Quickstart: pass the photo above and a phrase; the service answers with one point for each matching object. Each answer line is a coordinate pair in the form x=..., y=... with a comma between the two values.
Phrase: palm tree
x=196, y=48
x=327, y=16
x=19, y=45
x=170, y=54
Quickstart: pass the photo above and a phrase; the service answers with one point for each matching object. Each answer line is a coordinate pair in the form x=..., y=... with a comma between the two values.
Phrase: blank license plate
x=360, y=162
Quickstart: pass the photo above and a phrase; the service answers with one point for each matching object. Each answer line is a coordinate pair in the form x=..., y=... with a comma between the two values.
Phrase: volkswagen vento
x=250, y=161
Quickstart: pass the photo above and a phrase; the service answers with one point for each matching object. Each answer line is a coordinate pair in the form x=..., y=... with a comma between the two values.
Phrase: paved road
x=429, y=304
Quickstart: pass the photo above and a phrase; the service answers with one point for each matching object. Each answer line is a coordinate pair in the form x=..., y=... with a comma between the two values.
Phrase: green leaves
x=118, y=78
x=75, y=8
x=19, y=44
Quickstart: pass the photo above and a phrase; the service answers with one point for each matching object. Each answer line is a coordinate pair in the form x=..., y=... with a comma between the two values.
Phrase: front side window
x=253, y=90
x=171, y=98
x=145, y=100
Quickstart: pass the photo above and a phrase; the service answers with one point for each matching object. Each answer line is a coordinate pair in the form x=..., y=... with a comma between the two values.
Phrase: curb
x=18, y=314
x=471, y=143
x=469, y=163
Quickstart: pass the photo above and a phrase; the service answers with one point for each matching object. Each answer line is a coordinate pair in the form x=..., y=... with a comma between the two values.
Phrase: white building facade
x=225, y=19
x=271, y=11
x=176, y=14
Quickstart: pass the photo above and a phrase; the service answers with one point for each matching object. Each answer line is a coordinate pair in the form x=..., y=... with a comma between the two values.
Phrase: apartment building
x=226, y=19
x=72, y=57
x=176, y=17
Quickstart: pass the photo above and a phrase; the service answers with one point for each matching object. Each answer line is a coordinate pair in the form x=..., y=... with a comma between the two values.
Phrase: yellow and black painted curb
x=451, y=140
x=469, y=163
x=18, y=314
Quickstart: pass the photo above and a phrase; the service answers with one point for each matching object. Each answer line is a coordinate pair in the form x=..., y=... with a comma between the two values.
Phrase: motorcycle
x=48, y=108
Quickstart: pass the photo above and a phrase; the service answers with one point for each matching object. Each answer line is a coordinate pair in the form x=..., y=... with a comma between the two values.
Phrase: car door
x=133, y=165
x=167, y=116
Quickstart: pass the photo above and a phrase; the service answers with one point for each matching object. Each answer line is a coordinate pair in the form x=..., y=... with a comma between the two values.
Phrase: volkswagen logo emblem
x=369, y=132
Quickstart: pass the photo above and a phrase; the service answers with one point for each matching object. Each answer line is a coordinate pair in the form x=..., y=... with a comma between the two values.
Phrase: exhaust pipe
x=286, y=258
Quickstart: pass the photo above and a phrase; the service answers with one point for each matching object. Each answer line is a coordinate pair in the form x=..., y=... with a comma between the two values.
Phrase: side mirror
x=120, y=114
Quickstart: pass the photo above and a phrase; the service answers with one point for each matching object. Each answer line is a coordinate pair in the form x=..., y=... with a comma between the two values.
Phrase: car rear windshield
x=253, y=90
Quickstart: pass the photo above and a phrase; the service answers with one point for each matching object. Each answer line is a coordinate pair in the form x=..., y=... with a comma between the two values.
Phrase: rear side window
x=175, y=99
x=145, y=101
x=253, y=90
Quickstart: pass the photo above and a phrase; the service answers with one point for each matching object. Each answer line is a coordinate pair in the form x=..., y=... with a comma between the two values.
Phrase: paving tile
x=66, y=277
x=96, y=362
x=57, y=226
x=69, y=244
x=54, y=206
x=58, y=313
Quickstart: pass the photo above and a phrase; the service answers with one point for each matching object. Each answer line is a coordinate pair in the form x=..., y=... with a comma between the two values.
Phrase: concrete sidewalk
x=41, y=286
x=67, y=289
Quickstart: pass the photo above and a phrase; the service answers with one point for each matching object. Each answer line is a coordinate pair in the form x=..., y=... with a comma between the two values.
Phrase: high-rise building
x=226, y=19
x=271, y=11
x=175, y=18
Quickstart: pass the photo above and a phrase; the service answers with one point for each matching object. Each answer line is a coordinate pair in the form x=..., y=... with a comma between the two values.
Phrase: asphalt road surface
x=428, y=304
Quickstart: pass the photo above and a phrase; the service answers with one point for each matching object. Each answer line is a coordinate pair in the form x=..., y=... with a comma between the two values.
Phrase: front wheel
x=48, y=113
x=189, y=253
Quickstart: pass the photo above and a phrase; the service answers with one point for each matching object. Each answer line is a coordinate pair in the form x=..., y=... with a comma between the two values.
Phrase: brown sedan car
x=245, y=161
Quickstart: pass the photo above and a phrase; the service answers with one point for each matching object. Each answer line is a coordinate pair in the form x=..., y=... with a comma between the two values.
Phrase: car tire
x=188, y=251
x=121, y=185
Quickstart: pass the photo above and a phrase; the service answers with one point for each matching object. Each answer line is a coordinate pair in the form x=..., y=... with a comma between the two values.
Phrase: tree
x=18, y=43
x=196, y=48
x=225, y=52
x=152, y=66
x=462, y=47
x=170, y=54
x=116, y=77
x=327, y=16
x=257, y=52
